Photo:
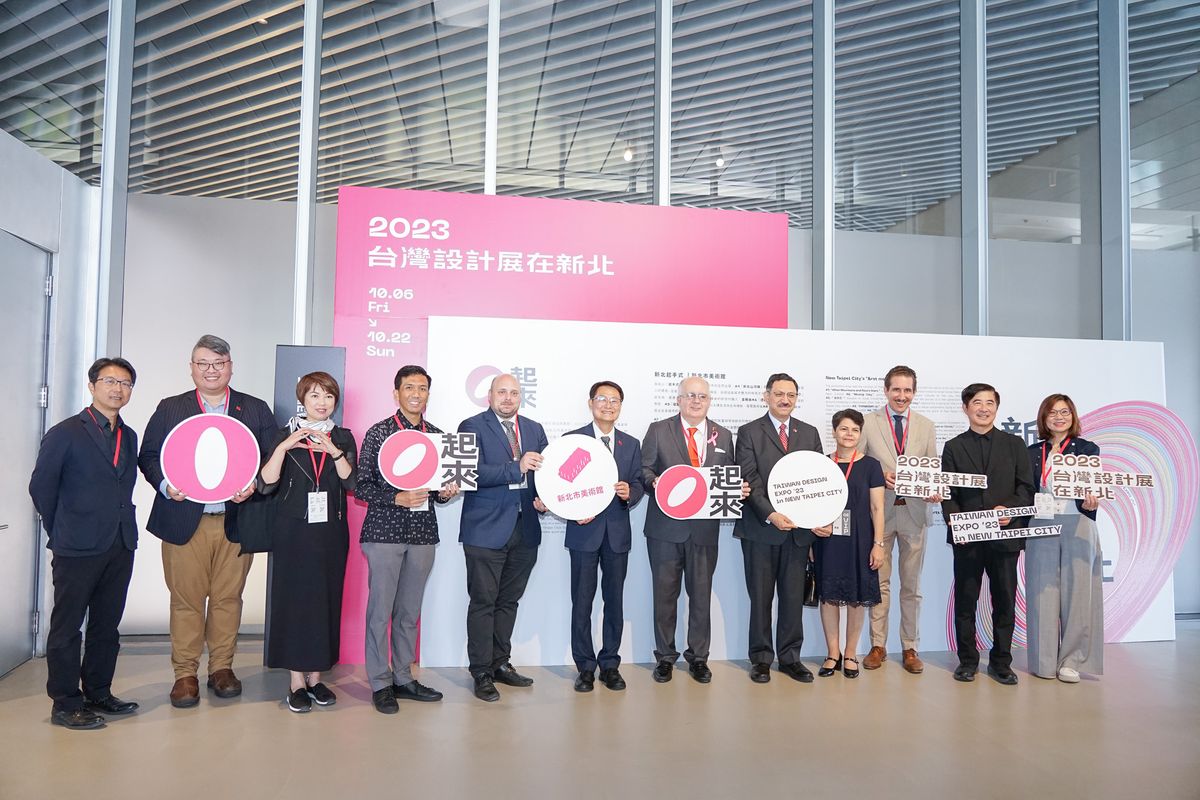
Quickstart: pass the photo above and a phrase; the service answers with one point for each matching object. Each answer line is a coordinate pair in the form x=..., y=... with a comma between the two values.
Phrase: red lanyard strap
x=316, y=470
x=203, y=410
x=120, y=430
x=1046, y=461
x=850, y=468
x=903, y=442
x=400, y=424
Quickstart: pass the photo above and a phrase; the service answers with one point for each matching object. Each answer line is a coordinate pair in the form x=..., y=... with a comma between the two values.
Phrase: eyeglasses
x=601, y=400
x=1062, y=413
x=211, y=366
x=695, y=396
x=783, y=395
x=111, y=382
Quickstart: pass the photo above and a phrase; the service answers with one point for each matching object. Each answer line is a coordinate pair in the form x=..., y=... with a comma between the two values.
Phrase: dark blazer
x=663, y=447
x=1010, y=481
x=613, y=520
x=758, y=451
x=176, y=521
x=84, y=501
x=296, y=477
x=489, y=513
x=1077, y=446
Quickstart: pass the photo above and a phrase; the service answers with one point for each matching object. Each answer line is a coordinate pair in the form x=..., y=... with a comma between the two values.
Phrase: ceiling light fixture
x=628, y=154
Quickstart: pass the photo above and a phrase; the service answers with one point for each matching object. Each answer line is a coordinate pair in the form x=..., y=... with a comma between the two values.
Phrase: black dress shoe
x=611, y=678
x=585, y=682
x=964, y=673
x=760, y=673
x=79, y=719
x=507, y=675
x=797, y=672
x=1002, y=675
x=662, y=672
x=113, y=706
x=850, y=673
x=485, y=688
x=825, y=671
x=700, y=672
x=416, y=691
x=385, y=701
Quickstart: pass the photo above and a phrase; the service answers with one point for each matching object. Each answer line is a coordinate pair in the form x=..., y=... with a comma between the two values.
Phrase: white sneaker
x=1068, y=675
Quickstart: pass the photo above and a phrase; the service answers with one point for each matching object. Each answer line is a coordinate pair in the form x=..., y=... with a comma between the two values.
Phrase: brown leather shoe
x=875, y=658
x=224, y=683
x=186, y=692
x=912, y=663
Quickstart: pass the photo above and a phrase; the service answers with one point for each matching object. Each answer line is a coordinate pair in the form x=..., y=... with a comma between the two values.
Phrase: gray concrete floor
x=1133, y=733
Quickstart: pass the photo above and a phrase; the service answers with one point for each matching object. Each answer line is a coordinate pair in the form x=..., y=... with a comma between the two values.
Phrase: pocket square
x=718, y=450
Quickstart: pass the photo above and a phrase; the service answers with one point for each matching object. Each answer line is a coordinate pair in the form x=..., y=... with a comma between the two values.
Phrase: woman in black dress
x=848, y=555
x=310, y=468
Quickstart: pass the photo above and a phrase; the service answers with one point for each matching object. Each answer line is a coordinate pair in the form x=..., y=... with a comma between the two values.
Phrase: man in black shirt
x=1003, y=458
x=399, y=538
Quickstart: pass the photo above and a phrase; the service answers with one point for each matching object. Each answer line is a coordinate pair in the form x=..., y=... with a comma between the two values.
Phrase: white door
x=24, y=270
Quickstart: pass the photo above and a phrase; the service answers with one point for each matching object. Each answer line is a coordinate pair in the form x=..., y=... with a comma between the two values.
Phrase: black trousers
x=95, y=586
x=613, y=567
x=693, y=564
x=971, y=562
x=496, y=580
x=771, y=569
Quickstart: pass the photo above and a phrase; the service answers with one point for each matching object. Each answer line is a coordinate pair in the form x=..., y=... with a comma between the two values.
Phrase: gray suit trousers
x=1064, y=595
x=396, y=576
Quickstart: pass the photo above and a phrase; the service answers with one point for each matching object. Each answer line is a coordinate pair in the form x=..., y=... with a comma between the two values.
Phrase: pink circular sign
x=681, y=491
x=408, y=459
x=210, y=457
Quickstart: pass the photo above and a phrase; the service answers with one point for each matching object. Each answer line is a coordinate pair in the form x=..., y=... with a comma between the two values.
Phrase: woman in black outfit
x=310, y=468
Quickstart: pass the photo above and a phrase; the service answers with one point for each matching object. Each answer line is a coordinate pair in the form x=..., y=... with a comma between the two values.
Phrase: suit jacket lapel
x=98, y=438
x=677, y=435
x=493, y=425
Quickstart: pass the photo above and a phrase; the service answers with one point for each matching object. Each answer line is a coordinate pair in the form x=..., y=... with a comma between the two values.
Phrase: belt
x=900, y=501
x=214, y=513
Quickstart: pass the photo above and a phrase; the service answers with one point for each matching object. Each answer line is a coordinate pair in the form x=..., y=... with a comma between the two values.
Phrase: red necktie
x=783, y=435
x=693, y=452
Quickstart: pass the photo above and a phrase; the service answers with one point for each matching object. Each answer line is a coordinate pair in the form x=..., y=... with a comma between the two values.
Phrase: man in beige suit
x=897, y=429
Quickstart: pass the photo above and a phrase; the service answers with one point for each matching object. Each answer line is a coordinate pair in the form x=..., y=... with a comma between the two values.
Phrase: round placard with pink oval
x=408, y=459
x=210, y=457
x=682, y=492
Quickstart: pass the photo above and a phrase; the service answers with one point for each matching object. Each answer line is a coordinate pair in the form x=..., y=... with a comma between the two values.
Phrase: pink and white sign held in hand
x=210, y=458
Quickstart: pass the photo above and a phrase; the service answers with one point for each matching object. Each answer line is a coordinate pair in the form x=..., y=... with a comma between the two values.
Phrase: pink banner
x=403, y=256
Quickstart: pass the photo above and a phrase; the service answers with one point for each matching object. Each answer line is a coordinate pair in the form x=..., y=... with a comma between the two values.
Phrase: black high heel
x=825, y=671
x=850, y=673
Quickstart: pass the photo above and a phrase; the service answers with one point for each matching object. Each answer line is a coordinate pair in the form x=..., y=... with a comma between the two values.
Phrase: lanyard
x=850, y=468
x=316, y=470
x=1046, y=461
x=401, y=425
x=900, y=443
x=200, y=402
x=117, y=450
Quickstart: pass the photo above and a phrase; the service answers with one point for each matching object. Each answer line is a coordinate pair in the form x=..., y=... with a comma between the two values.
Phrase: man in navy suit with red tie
x=500, y=531
x=604, y=541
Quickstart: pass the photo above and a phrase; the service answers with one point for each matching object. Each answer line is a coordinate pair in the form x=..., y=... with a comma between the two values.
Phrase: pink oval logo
x=408, y=459
x=681, y=491
x=210, y=457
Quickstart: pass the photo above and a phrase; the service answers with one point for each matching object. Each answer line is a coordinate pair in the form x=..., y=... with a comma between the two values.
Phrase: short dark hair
x=900, y=371
x=968, y=394
x=1044, y=410
x=210, y=342
x=781, y=376
x=410, y=369
x=848, y=413
x=596, y=387
x=321, y=379
x=117, y=361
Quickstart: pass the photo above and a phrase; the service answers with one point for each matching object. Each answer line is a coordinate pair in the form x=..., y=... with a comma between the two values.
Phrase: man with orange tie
x=683, y=550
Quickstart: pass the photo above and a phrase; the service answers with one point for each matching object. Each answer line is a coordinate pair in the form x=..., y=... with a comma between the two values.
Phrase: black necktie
x=899, y=434
x=606, y=441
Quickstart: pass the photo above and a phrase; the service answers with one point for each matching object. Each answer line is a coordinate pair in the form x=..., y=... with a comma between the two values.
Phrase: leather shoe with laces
x=700, y=671
x=964, y=673
x=611, y=678
x=224, y=683
x=509, y=676
x=874, y=658
x=385, y=701
x=912, y=663
x=662, y=672
x=1002, y=675
x=113, y=706
x=760, y=673
x=186, y=692
x=485, y=688
x=585, y=681
x=79, y=719
x=416, y=691
x=797, y=672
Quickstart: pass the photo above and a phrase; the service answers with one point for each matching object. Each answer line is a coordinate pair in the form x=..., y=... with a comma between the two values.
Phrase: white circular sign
x=577, y=477
x=808, y=488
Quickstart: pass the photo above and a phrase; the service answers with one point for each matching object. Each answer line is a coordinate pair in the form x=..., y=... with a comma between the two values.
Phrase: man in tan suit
x=897, y=429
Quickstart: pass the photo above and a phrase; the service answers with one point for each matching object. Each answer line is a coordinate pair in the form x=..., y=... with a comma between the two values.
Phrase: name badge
x=318, y=507
x=1045, y=504
x=841, y=525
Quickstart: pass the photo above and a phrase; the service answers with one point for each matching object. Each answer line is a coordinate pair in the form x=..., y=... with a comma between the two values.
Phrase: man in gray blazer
x=683, y=549
x=774, y=549
x=892, y=430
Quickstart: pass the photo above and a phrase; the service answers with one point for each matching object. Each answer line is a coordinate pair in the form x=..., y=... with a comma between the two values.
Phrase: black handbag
x=810, y=584
x=256, y=523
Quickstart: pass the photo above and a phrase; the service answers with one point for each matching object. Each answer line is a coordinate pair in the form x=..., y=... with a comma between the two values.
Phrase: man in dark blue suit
x=500, y=532
x=202, y=562
x=82, y=486
x=604, y=541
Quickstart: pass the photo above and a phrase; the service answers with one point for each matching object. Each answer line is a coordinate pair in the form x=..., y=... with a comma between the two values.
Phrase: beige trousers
x=900, y=529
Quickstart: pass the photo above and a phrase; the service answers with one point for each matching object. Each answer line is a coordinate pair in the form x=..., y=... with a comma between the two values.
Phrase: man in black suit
x=774, y=549
x=604, y=541
x=82, y=486
x=683, y=550
x=204, y=570
x=1003, y=458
